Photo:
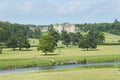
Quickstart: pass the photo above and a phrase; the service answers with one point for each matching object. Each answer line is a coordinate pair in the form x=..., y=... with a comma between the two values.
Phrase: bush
x=110, y=44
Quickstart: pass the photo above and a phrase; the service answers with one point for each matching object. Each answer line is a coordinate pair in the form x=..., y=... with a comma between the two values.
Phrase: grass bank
x=22, y=63
x=70, y=74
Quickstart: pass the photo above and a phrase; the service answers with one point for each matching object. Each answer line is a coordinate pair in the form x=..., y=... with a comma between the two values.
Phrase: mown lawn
x=75, y=74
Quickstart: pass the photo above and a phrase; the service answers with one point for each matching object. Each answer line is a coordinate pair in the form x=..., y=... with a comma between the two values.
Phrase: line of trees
x=7, y=29
x=18, y=41
x=113, y=28
x=48, y=43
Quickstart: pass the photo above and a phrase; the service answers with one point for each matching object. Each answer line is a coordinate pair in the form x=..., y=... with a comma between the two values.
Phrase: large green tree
x=18, y=41
x=47, y=44
x=54, y=33
x=65, y=38
x=75, y=38
x=91, y=40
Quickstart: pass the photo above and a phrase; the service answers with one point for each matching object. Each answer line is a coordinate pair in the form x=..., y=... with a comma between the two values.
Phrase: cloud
x=106, y=8
x=25, y=7
x=4, y=6
x=73, y=7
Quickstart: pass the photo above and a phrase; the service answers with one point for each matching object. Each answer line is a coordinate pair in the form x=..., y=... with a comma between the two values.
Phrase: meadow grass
x=70, y=74
x=111, y=38
x=19, y=59
x=61, y=52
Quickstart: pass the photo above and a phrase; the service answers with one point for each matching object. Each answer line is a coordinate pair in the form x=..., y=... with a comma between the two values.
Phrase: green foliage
x=75, y=38
x=54, y=33
x=65, y=38
x=4, y=34
x=47, y=44
x=12, y=42
x=1, y=50
x=113, y=28
x=92, y=39
x=18, y=40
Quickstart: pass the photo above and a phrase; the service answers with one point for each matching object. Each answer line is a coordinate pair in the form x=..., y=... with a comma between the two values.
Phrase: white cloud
x=4, y=6
x=73, y=7
x=25, y=7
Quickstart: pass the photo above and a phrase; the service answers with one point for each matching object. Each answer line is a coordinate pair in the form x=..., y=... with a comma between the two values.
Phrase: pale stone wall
x=65, y=27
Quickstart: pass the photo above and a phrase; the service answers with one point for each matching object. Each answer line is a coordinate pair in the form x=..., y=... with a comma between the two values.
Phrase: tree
x=97, y=35
x=88, y=42
x=0, y=50
x=65, y=38
x=75, y=38
x=4, y=34
x=18, y=40
x=91, y=40
x=21, y=40
x=54, y=33
x=27, y=44
x=12, y=42
x=47, y=44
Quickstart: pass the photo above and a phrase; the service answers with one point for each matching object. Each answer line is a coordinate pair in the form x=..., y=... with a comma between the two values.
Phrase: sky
x=44, y=12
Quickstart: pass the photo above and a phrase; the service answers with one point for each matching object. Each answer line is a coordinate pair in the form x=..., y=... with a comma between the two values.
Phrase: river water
x=35, y=69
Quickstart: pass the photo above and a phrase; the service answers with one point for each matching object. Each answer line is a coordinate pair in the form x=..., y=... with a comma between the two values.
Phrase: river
x=35, y=69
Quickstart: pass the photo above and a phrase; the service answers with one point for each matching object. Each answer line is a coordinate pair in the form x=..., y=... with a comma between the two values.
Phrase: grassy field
x=73, y=74
x=32, y=57
x=111, y=38
x=62, y=52
x=19, y=59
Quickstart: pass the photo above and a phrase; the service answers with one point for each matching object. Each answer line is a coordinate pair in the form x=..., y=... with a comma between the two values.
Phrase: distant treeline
x=113, y=28
x=33, y=31
x=7, y=29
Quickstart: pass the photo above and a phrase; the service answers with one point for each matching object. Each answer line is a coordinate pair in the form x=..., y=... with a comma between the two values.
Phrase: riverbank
x=67, y=74
x=35, y=62
x=70, y=55
x=62, y=67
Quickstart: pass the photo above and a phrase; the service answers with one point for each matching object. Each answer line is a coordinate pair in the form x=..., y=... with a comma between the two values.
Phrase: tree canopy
x=47, y=44
x=91, y=40
x=18, y=41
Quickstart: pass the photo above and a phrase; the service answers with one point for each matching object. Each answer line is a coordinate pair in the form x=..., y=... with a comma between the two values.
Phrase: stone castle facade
x=65, y=27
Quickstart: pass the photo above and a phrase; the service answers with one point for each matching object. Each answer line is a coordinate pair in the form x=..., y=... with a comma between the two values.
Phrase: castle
x=59, y=28
x=65, y=27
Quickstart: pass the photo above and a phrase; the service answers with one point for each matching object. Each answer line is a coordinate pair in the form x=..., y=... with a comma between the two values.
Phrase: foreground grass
x=73, y=74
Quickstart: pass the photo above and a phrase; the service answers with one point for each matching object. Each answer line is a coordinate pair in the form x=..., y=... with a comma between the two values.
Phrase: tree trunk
x=13, y=49
x=20, y=48
x=45, y=53
x=87, y=49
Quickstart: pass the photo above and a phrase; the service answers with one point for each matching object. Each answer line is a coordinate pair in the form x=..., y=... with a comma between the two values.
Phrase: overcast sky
x=59, y=11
